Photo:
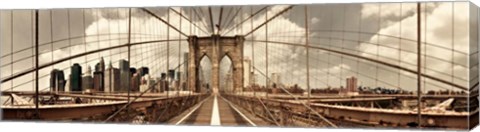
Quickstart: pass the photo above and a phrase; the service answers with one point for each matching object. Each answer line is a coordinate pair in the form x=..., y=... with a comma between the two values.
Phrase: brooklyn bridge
x=390, y=65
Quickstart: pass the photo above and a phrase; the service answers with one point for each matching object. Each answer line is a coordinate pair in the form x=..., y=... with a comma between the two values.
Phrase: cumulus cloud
x=438, y=34
x=314, y=20
x=280, y=29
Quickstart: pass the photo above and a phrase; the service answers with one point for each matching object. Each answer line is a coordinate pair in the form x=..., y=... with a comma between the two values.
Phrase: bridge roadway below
x=216, y=110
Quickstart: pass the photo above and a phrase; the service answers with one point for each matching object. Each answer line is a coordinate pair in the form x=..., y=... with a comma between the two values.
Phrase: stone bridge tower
x=216, y=48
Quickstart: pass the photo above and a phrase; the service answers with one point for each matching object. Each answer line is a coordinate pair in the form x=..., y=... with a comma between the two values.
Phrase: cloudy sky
x=381, y=31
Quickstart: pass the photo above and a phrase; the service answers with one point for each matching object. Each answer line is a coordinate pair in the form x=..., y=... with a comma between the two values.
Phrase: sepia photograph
x=388, y=65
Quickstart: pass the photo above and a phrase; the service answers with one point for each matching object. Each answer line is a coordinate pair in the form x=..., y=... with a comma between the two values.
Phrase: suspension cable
x=303, y=103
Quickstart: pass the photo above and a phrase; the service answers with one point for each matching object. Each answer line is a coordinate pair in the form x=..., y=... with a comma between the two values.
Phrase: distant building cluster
x=381, y=90
x=111, y=79
x=352, y=88
x=447, y=92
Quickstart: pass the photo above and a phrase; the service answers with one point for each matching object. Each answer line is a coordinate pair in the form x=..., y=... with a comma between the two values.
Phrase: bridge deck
x=201, y=116
x=216, y=110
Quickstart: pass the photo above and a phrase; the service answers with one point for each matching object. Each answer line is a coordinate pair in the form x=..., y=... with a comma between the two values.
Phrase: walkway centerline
x=215, y=120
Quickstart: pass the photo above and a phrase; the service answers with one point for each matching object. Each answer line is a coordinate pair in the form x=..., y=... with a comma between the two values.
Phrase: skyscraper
x=163, y=76
x=61, y=81
x=98, y=81
x=163, y=82
x=76, y=78
x=164, y=86
x=53, y=78
x=108, y=78
x=171, y=78
x=135, y=82
x=102, y=65
x=147, y=83
x=275, y=80
x=228, y=83
x=87, y=79
x=179, y=81
x=98, y=76
x=143, y=71
x=179, y=76
x=124, y=75
x=132, y=71
x=171, y=74
x=57, y=80
x=352, y=84
x=112, y=79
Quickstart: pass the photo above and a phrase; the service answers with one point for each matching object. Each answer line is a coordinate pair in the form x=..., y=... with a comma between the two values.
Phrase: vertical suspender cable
x=266, y=54
x=308, y=62
x=168, y=53
x=179, y=52
x=129, y=41
x=36, y=65
x=253, y=54
x=419, y=90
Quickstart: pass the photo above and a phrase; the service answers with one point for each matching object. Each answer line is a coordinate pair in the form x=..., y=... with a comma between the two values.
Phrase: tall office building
x=171, y=74
x=228, y=83
x=352, y=84
x=124, y=75
x=163, y=76
x=254, y=78
x=53, y=79
x=101, y=65
x=132, y=71
x=165, y=83
x=147, y=83
x=57, y=80
x=98, y=81
x=171, y=79
x=61, y=81
x=275, y=79
x=112, y=79
x=164, y=86
x=98, y=76
x=179, y=76
x=135, y=82
x=108, y=78
x=143, y=71
x=156, y=85
x=351, y=88
x=179, y=80
x=76, y=78
x=87, y=79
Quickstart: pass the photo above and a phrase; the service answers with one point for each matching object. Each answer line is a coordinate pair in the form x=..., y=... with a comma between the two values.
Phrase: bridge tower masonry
x=215, y=47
